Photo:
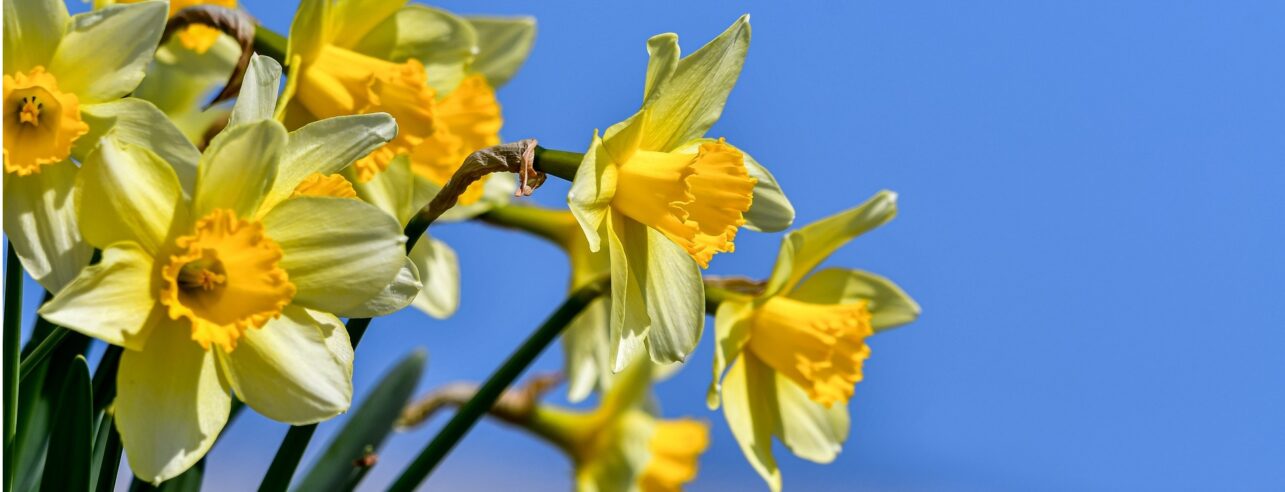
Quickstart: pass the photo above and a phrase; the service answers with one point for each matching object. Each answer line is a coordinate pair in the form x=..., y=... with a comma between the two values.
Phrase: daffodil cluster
x=219, y=247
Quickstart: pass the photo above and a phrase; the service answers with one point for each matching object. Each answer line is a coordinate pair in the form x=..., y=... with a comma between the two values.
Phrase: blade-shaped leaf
x=72, y=434
x=366, y=428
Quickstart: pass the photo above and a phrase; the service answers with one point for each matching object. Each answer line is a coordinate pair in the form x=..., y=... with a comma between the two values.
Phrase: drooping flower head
x=796, y=350
x=619, y=446
x=232, y=281
x=64, y=77
x=664, y=199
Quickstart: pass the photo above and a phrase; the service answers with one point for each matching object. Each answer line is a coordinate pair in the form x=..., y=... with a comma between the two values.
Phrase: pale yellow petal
x=171, y=403
x=296, y=369
x=111, y=300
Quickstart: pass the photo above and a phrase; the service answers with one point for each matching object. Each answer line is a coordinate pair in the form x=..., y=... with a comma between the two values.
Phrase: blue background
x=1090, y=217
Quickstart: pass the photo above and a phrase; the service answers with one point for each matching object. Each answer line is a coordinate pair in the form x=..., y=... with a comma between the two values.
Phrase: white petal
x=171, y=403
x=296, y=369
x=338, y=252
x=889, y=306
x=137, y=122
x=327, y=147
x=439, y=270
x=32, y=29
x=804, y=249
x=691, y=100
x=812, y=431
x=258, y=94
x=110, y=300
x=238, y=168
x=731, y=331
x=104, y=52
x=629, y=321
x=395, y=296
x=127, y=193
x=675, y=295
x=503, y=46
x=749, y=404
x=40, y=222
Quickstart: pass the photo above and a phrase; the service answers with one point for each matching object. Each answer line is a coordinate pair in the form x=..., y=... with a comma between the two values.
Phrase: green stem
x=557, y=162
x=12, y=338
x=287, y=459
x=42, y=351
x=270, y=44
x=104, y=382
x=503, y=376
x=555, y=226
x=104, y=391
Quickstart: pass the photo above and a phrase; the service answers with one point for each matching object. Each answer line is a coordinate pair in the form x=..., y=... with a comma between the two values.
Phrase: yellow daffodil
x=436, y=73
x=796, y=351
x=620, y=446
x=64, y=77
x=185, y=71
x=425, y=66
x=231, y=283
x=665, y=199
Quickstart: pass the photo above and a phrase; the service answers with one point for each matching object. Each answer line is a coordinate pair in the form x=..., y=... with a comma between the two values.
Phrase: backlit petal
x=112, y=300
x=104, y=52
x=296, y=369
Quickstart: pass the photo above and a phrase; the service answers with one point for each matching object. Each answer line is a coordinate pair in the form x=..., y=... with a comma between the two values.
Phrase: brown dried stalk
x=233, y=23
x=514, y=406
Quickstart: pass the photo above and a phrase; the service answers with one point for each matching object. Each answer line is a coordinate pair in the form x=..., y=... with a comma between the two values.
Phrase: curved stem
x=494, y=386
x=555, y=226
x=559, y=163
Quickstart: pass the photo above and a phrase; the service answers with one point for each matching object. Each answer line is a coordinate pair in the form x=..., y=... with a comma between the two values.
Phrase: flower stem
x=559, y=163
x=556, y=226
x=12, y=334
x=494, y=386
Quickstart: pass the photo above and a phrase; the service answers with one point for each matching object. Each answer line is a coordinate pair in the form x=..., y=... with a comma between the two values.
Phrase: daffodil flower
x=620, y=446
x=419, y=64
x=436, y=74
x=796, y=350
x=64, y=77
x=233, y=284
x=665, y=200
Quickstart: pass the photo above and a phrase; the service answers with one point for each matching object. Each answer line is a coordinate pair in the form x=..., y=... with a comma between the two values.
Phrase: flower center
x=675, y=448
x=225, y=278
x=30, y=112
x=466, y=120
x=206, y=273
x=40, y=122
x=697, y=200
x=819, y=347
x=342, y=82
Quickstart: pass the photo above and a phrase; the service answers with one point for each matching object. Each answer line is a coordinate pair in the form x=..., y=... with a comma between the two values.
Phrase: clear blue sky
x=1091, y=217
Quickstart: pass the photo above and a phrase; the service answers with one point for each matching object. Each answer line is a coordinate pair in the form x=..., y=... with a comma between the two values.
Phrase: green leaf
x=188, y=481
x=37, y=395
x=503, y=46
x=72, y=433
x=106, y=458
x=366, y=428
